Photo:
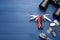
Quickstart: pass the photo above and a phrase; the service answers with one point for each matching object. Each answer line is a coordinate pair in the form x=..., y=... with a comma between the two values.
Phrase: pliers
x=38, y=19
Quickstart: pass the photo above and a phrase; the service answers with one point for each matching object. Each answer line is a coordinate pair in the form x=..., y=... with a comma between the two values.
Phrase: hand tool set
x=45, y=3
x=44, y=17
x=56, y=14
x=40, y=20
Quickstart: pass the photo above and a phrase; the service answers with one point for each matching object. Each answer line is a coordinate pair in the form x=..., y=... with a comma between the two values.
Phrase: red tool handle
x=39, y=21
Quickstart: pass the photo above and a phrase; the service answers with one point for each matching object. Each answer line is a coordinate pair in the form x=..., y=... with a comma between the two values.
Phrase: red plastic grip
x=39, y=21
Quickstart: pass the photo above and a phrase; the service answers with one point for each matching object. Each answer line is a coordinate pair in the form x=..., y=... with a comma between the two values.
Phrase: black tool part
x=57, y=14
x=44, y=4
x=56, y=2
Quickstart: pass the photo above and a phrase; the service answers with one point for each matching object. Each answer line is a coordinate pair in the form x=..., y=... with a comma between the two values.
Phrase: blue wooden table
x=14, y=20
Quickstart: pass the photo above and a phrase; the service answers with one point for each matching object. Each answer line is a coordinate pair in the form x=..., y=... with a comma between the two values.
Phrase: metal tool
x=54, y=23
x=53, y=33
x=50, y=30
x=33, y=17
x=38, y=19
x=44, y=36
x=45, y=17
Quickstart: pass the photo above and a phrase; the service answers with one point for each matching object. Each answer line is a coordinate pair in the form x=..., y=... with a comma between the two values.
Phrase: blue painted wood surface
x=14, y=20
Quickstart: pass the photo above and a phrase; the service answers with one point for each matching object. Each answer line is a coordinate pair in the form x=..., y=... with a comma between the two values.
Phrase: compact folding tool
x=39, y=19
